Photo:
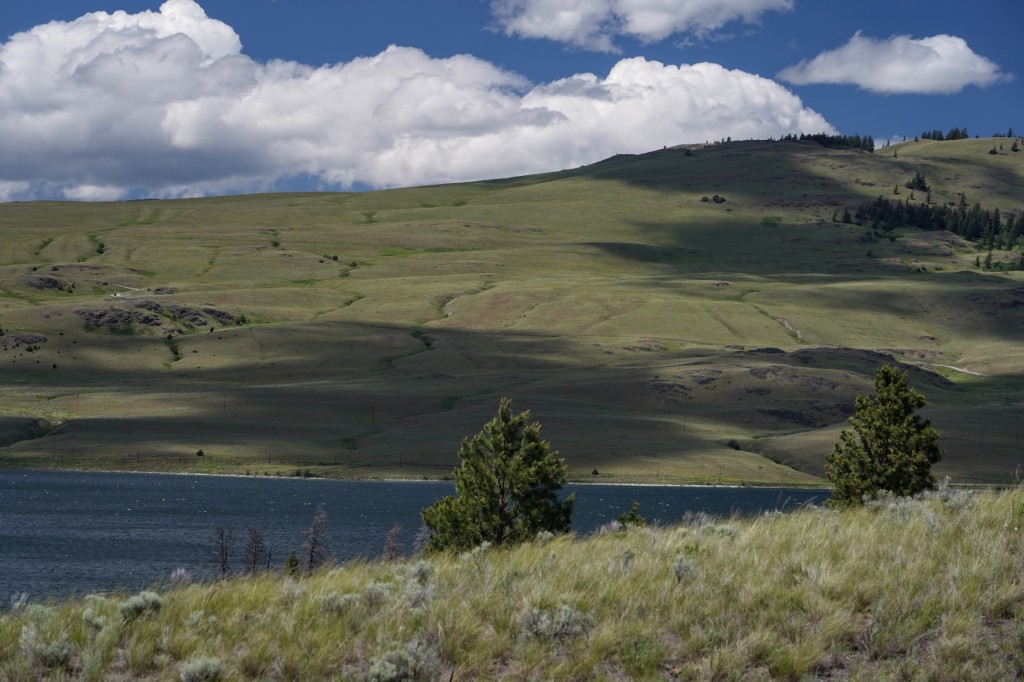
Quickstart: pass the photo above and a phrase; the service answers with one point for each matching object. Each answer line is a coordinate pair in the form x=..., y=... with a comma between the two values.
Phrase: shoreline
x=640, y=484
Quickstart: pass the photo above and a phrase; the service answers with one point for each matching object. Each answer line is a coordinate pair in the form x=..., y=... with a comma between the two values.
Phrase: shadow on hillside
x=977, y=305
x=402, y=403
x=1001, y=180
x=737, y=170
x=762, y=174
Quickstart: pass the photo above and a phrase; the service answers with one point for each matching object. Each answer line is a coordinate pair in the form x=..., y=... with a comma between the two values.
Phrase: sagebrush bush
x=376, y=593
x=477, y=553
x=140, y=604
x=413, y=662
x=335, y=603
x=684, y=568
x=565, y=622
x=203, y=669
x=95, y=622
x=42, y=652
x=420, y=572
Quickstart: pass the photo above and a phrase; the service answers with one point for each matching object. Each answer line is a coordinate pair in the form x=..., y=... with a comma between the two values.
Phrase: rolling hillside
x=651, y=332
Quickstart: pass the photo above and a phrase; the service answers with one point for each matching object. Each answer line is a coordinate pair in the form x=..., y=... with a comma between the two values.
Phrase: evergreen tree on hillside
x=976, y=224
x=864, y=143
x=917, y=182
x=890, y=449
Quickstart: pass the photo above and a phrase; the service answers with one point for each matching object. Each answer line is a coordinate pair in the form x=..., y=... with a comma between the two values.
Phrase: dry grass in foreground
x=902, y=589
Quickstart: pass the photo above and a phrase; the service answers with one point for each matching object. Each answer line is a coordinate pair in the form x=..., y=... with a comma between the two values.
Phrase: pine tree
x=917, y=182
x=506, y=488
x=291, y=564
x=890, y=449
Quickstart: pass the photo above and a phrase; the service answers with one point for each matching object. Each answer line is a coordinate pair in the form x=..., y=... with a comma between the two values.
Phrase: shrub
x=139, y=605
x=44, y=653
x=291, y=564
x=415, y=661
x=684, y=568
x=338, y=603
x=476, y=554
x=543, y=537
x=564, y=623
x=632, y=517
x=376, y=593
x=95, y=622
x=203, y=669
x=421, y=572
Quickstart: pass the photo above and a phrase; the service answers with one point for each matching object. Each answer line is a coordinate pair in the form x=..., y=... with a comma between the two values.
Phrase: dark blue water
x=72, y=533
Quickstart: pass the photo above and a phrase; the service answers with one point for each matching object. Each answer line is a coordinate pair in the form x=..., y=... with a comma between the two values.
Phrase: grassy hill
x=365, y=334
x=926, y=589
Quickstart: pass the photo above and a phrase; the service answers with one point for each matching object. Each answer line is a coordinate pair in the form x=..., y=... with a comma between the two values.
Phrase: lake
x=65, y=533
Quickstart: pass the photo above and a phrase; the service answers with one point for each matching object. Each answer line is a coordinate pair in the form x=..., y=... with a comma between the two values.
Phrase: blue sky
x=192, y=97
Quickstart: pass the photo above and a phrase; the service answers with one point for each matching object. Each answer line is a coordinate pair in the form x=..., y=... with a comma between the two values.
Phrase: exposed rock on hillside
x=16, y=340
x=42, y=282
x=172, y=318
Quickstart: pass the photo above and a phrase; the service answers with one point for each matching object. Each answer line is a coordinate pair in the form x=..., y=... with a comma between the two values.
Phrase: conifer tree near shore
x=506, y=488
x=891, y=448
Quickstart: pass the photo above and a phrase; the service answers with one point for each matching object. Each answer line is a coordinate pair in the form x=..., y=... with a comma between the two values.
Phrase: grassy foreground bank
x=903, y=589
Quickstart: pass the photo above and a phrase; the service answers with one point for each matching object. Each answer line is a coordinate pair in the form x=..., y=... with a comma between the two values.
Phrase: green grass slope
x=926, y=589
x=366, y=334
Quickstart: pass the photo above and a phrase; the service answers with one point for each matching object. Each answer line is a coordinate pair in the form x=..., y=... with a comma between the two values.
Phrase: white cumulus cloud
x=593, y=24
x=941, y=64
x=166, y=104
